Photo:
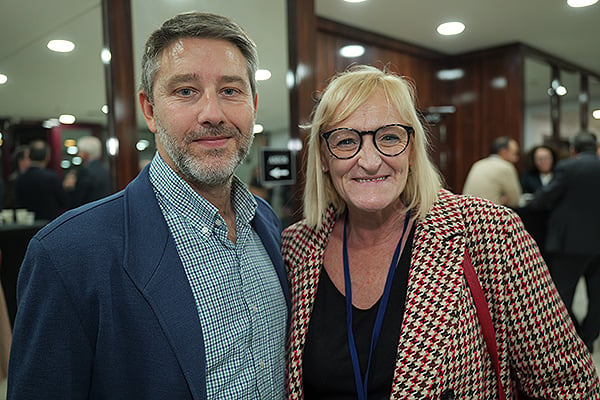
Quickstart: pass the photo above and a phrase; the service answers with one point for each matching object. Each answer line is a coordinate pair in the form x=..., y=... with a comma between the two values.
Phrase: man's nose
x=210, y=110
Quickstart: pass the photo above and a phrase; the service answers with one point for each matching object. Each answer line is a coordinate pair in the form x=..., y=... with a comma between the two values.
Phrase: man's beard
x=216, y=171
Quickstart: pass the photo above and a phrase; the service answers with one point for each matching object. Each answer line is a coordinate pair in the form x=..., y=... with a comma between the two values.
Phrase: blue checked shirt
x=240, y=302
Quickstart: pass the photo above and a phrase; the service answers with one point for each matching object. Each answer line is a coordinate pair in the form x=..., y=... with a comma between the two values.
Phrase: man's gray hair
x=195, y=25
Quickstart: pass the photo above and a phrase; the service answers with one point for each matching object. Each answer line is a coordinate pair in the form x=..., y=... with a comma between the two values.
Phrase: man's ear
x=255, y=105
x=147, y=110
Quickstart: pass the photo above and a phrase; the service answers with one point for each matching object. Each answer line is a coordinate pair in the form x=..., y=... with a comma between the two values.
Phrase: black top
x=327, y=366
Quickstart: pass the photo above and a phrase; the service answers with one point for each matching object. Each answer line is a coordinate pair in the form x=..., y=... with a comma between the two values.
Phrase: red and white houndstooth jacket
x=441, y=347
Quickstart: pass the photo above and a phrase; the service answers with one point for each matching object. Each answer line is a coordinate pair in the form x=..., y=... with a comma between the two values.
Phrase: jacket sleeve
x=545, y=354
x=50, y=350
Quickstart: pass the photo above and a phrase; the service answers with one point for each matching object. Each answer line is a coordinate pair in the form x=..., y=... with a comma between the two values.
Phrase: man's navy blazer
x=105, y=310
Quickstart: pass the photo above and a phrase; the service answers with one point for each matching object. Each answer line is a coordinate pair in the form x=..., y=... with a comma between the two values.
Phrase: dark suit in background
x=93, y=183
x=40, y=189
x=573, y=239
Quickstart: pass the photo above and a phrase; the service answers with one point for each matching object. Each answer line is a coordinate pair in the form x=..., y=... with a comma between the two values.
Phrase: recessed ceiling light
x=258, y=128
x=262, y=75
x=352, y=51
x=581, y=3
x=61, y=46
x=66, y=119
x=450, y=74
x=451, y=28
x=3, y=79
x=105, y=56
x=596, y=114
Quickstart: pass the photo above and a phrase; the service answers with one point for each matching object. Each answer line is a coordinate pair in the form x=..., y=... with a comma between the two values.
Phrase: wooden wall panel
x=489, y=103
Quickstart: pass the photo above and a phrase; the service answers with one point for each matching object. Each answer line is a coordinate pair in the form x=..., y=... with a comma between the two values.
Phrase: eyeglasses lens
x=389, y=140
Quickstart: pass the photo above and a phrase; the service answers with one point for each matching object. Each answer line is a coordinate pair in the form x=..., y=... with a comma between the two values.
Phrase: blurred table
x=14, y=239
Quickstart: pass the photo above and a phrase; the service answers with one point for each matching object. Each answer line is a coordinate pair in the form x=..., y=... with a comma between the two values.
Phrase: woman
x=376, y=216
x=541, y=160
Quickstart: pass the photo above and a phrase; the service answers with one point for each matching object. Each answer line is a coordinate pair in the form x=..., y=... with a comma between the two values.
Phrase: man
x=173, y=288
x=91, y=181
x=573, y=239
x=20, y=162
x=495, y=178
x=40, y=189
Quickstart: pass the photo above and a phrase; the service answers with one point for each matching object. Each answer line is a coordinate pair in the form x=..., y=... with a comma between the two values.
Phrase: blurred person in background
x=573, y=238
x=541, y=162
x=39, y=189
x=495, y=177
x=19, y=163
x=91, y=181
x=380, y=305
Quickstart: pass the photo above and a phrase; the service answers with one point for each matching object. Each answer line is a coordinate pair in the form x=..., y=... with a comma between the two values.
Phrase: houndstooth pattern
x=441, y=346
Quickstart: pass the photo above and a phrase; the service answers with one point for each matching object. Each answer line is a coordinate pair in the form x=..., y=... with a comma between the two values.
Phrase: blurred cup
x=8, y=216
x=22, y=216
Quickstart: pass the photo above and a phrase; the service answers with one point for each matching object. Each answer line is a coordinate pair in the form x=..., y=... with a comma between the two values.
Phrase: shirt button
x=218, y=222
x=254, y=308
x=205, y=229
x=261, y=363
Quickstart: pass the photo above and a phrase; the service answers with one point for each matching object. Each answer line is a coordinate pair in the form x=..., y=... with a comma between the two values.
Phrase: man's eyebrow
x=191, y=77
x=182, y=78
x=234, y=79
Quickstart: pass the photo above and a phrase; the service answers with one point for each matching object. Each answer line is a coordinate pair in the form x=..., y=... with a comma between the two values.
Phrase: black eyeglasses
x=390, y=140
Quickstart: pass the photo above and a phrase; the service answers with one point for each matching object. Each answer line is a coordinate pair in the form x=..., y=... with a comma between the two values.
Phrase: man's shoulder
x=92, y=219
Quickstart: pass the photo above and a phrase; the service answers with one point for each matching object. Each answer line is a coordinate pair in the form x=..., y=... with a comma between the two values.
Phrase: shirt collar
x=184, y=200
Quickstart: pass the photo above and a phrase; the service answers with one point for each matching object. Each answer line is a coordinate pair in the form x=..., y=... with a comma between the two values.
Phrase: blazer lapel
x=154, y=266
x=432, y=299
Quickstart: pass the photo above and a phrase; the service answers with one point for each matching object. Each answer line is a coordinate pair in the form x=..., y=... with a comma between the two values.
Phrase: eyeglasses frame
x=409, y=131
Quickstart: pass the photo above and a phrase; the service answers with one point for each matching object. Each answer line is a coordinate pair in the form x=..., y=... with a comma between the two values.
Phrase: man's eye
x=185, y=92
x=230, y=91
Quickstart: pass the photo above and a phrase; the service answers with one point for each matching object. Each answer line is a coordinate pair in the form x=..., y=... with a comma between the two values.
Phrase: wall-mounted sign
x=278, y=167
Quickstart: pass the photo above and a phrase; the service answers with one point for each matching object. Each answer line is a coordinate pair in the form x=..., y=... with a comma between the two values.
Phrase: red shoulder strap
x=485, y=319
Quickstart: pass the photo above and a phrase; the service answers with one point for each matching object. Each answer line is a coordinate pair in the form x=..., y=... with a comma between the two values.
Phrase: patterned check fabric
x=441, y=347
x=240, y=303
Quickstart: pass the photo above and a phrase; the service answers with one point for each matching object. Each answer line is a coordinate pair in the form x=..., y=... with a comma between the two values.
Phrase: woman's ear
x=324, y=164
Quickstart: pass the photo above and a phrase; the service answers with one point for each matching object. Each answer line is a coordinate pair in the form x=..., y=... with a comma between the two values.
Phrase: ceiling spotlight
x=61, y=46
x=581, y=3
x=561, y=90
x=3, y=79
x=258, y=128
x=596, y=114
x=66, y=119
x=451, y=28
x=105, y=56
x=352, y=51
x=50, y=123
x=263, y=75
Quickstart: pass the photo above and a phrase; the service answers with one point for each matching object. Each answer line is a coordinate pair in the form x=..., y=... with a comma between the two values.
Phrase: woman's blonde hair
x=345, y=93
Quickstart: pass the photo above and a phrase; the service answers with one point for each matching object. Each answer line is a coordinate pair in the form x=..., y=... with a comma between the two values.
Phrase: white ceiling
x=42, y=84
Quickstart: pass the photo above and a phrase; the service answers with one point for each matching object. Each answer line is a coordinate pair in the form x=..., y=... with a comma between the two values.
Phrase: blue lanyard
x=361, y=385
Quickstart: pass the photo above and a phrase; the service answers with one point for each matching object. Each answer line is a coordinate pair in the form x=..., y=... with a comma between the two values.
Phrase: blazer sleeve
x=50, y=347
x=544, y=352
